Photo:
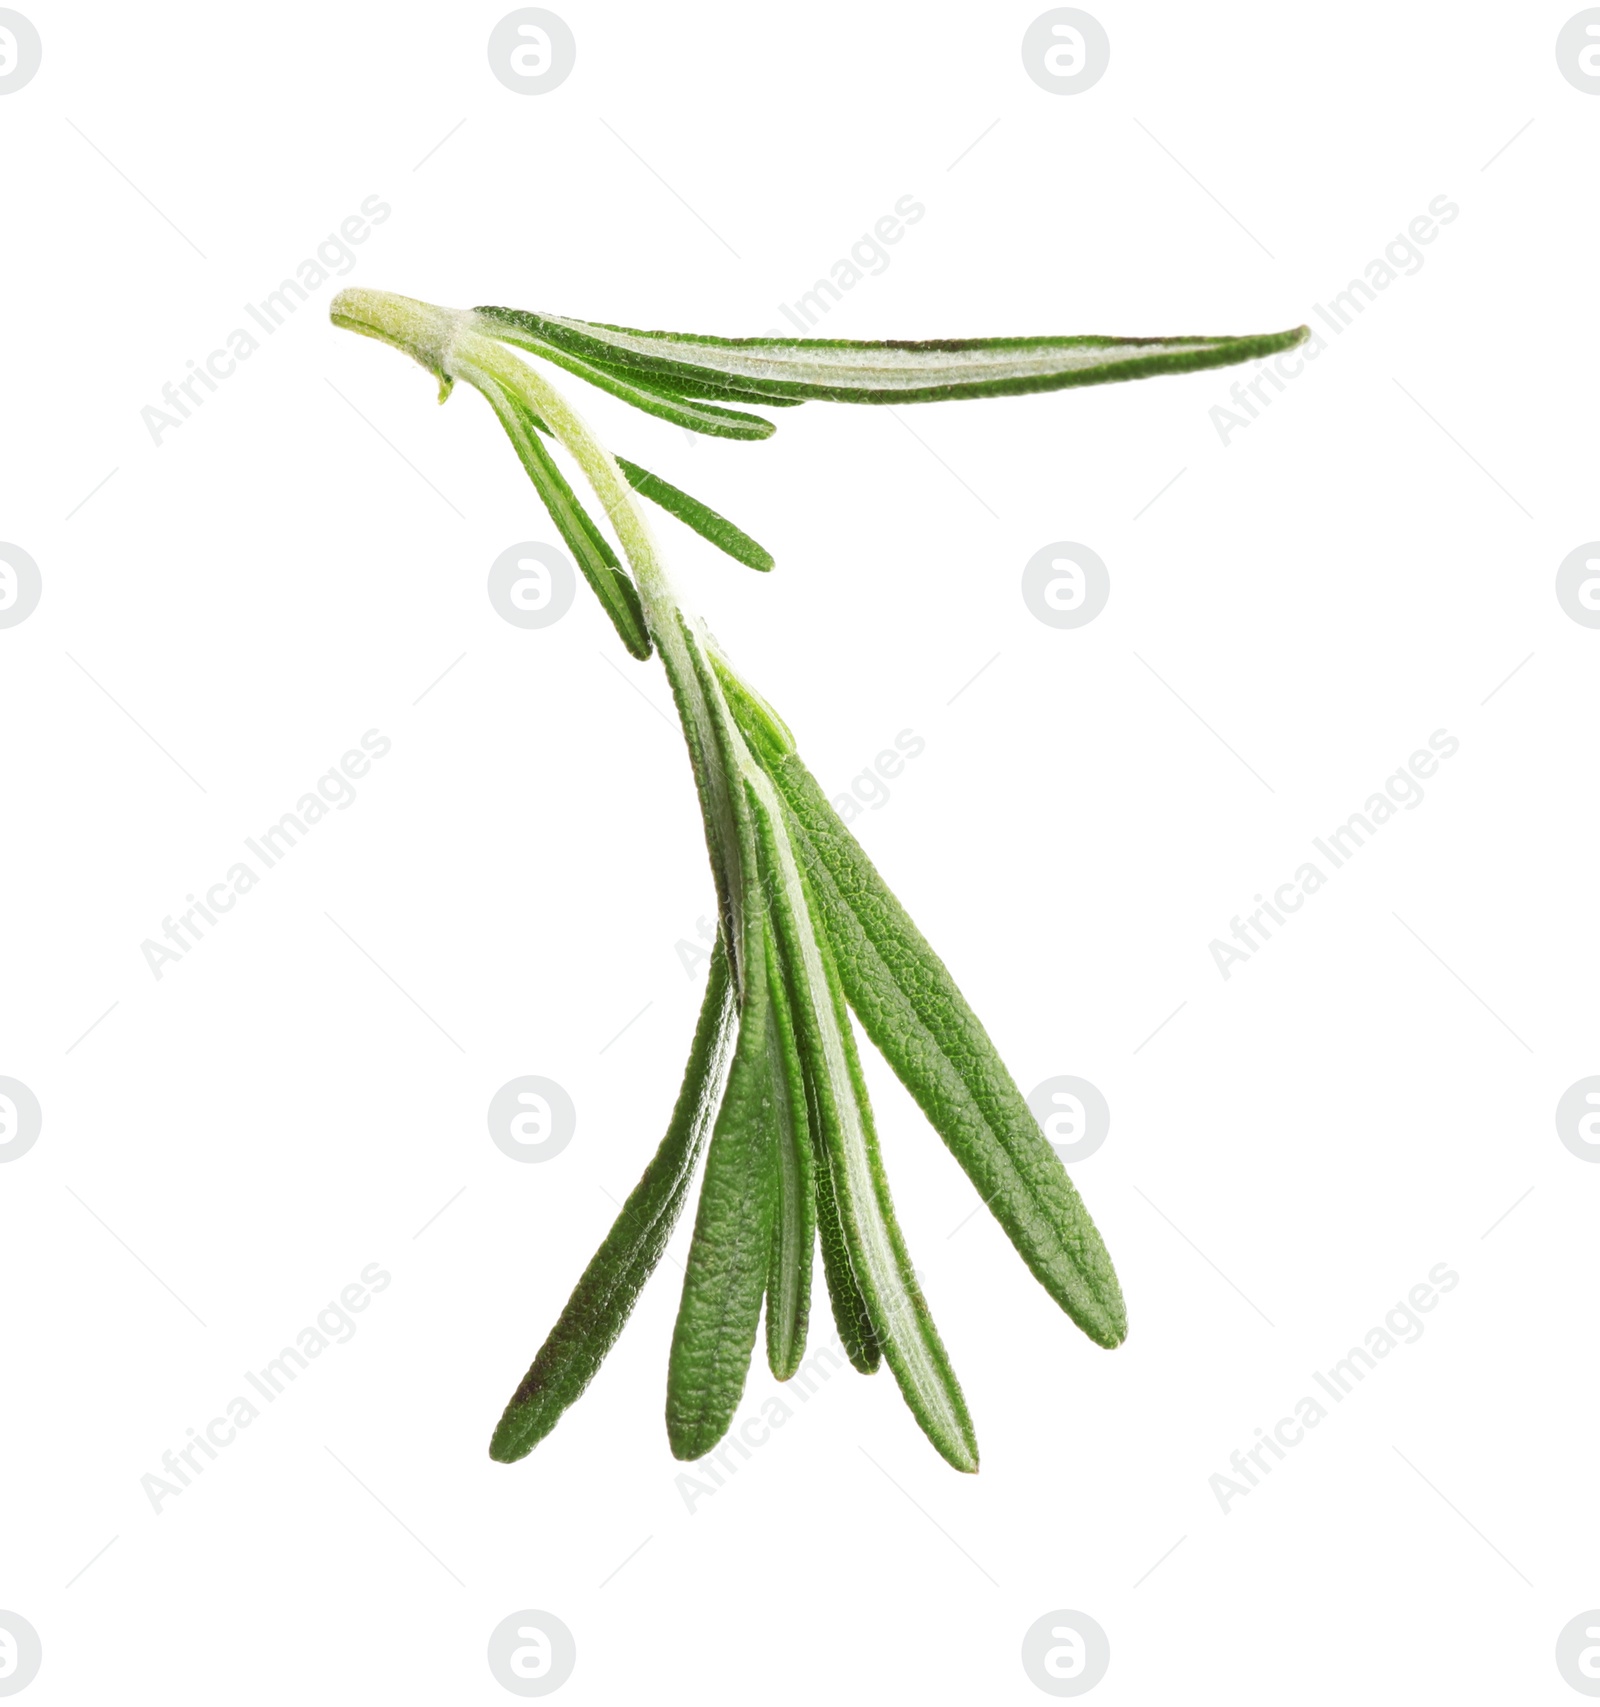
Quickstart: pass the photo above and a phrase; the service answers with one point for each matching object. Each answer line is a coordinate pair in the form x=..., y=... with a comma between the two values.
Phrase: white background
x=1364, y=1099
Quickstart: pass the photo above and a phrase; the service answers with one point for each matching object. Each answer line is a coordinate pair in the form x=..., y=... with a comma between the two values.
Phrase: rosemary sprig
x=808, y=930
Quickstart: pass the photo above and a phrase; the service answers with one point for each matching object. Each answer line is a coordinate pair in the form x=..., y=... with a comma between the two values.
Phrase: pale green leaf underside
x=794, y=1233
x=770, y=370
x=633, y=385
x=879, y=1261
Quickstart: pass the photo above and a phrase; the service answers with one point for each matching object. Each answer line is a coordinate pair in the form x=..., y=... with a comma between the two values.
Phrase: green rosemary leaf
x=701, y=517
x=637, y=388
x=841, y=370
x=604, y=1298
x=616, y=592
x=794, y=1233
x=730, y=1258
x=915, y=1014
x=901, y=1321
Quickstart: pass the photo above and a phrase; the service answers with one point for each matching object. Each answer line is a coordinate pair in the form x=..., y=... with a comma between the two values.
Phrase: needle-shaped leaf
x=918, y=1018
x=603, y=1299
x=841, y=370
x=585, y=541
x=900, y=1318
x=701, y=517
x=731, y=1256
x=635, y=387
x=794, y=1232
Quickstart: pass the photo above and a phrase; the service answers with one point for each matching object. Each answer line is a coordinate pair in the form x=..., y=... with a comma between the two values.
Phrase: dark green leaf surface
x=725, y=1277
x=701, y=517
x=603, y=1299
